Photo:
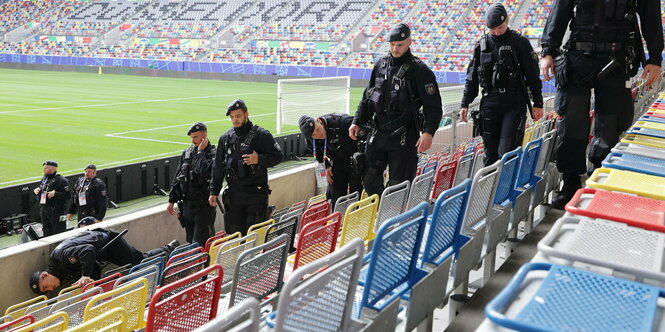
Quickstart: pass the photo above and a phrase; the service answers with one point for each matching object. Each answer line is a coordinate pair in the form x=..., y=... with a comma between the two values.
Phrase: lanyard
x=325, y=147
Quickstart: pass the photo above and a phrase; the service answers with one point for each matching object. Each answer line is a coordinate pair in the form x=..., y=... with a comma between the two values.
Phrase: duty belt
x=597, y=47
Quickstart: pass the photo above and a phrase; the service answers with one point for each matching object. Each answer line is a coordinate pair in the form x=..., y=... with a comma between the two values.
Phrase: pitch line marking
x=128, y=103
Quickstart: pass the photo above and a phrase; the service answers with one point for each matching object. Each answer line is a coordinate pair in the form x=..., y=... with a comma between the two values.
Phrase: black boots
x=571, y=182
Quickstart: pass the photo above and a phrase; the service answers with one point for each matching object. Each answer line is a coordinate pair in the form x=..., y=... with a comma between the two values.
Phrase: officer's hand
x=251, y=159
x=537, y=113
x=424, y=142
x=652, y=74
x=36, y=191
x=51, y=193
x=212, y=200
x=329, y=174
x=547, y=67
x=82, y=282
x=169, y=209
x=464, y=114
x=69, y=216
x=204, y=144
x=353, y=131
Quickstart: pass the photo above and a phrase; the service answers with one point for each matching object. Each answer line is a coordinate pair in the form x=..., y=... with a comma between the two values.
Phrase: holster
x=477, y=124
x=180, y=216
x=561, y=70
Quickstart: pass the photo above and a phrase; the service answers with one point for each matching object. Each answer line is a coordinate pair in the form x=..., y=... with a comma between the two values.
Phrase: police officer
x=191, y=186
x=76, y=259
x=89, y=196
x=603, y=52
x=400, y=85
x=52, y=194
x=502, y=61
x=330, y=134
x=243, y=156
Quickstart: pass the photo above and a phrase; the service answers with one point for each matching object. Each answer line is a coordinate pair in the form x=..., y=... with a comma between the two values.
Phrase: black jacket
x=192, y=180
x=340, y=146
x=76, y=257
x=229, y=157
x=527, y=58
x=95, y=196
x=424, y=89
x=58, y=183
x=609, y=29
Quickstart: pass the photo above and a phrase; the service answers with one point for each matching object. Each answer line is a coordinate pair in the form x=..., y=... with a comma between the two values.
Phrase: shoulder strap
x=402, y=71
x=483, y=43
x=250, y=135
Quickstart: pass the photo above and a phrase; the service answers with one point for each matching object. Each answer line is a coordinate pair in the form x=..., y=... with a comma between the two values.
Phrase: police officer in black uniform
x=330, y=132
x=603, y=52
x=89, y=196
x=243, y=156
x=502, y=61
x=400, y=85
x=76, y=259
x=52, y=195
x=191, y=185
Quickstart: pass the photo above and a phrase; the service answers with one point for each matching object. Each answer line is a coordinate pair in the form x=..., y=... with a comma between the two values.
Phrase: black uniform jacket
x=526, y=57
x=270, y=154
x=75, y=257
x=424, y=89
x=95, y=197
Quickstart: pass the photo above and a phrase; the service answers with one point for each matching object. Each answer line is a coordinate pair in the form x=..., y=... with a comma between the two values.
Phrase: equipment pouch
x=561, y=70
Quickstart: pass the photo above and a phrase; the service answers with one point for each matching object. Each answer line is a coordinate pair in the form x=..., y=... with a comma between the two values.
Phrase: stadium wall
x=207, y=70
x=147, y=229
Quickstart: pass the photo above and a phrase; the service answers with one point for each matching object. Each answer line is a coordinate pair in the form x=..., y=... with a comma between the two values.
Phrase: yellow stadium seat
x=260, y=229
x=132, y=297
x=359, y=220
x=57, y=322
x=18, y=310
x=114, y=320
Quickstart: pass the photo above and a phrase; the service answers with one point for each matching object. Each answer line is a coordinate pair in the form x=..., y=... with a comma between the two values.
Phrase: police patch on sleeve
x=72, y=260
x=278, y=147
x=103, y=192
x=429, y=88
x=534, y=56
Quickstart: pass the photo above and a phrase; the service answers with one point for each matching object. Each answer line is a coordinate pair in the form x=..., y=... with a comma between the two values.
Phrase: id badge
x=321, y=178
x=42, y=198
x=82, y=200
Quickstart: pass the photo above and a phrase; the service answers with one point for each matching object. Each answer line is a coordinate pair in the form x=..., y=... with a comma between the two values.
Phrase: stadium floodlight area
x=310, y=96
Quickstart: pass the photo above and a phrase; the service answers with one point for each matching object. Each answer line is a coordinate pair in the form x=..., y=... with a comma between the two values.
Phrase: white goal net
x=310, y=96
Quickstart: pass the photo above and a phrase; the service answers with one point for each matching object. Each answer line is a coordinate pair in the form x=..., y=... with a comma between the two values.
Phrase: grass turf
x=110, y=120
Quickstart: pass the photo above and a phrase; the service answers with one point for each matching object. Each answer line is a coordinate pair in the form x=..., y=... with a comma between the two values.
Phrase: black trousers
x=82, y=213
x=243, y=210
x=345, y=181
x=613, y=112
x=199, y=219
x=502, y=119
x=50, y=217
x=122, y=253
x=382, y=151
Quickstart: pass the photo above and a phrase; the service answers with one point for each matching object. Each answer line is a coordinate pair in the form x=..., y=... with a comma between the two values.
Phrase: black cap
x=399, y=32
x=91, y=166
x=50, y=163
x=89, y=220
x=495, y=15
x=34, y=283
x=199, y=126
x=306, y=124
x=236, y=104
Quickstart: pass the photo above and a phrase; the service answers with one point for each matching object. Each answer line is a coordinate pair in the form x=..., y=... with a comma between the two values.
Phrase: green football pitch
x=110, y=120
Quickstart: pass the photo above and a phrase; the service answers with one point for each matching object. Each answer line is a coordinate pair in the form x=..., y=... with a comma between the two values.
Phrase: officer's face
x=48, y=282
x=48, y=169
x=398, y=48
x=90, y=173
x=197, y=137
x=238, y=117
x=319, y=131
x=500, y=30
